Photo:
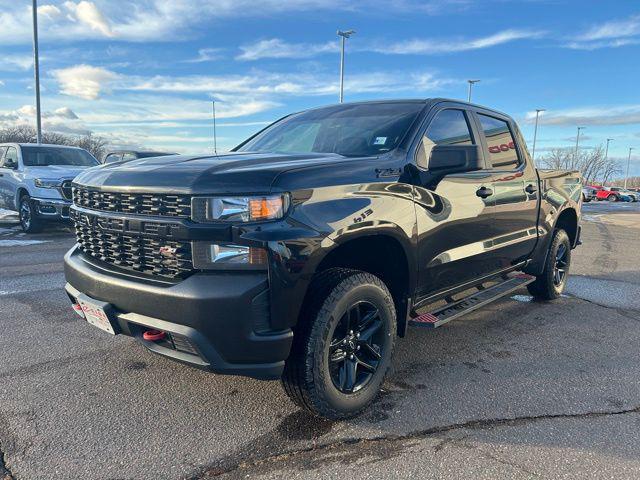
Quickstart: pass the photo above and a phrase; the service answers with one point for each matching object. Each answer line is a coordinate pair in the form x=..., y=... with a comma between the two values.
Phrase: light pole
x=535, y=134
x=470, y=82
x=575, y=155
x=36, y=71
x=215, y=136
x=628, y=163
x=343, y=36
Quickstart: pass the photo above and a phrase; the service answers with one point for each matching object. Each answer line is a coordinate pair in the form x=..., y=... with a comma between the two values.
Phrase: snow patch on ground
x=591, y=218
x=7, y=213
x=522, y=298
x=20, y=243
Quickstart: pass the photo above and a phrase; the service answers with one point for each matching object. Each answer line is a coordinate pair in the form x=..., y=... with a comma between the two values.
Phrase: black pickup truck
x=307, y=250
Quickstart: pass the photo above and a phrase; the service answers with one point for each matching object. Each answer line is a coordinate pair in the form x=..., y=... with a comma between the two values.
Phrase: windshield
x=47, y=156
x=350, y=130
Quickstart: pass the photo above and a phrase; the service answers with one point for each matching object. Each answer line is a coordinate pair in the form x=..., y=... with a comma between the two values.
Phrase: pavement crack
x=248, y=463
x=627, y=313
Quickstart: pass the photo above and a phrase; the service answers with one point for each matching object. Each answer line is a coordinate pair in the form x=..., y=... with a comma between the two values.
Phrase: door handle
x=484, y=192
x=530, y=189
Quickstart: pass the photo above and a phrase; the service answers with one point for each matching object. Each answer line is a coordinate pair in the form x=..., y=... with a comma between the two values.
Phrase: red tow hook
x=153, y=335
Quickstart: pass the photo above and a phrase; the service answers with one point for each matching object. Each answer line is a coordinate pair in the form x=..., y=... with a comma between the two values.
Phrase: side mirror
x=10, y=163
x=447, y=159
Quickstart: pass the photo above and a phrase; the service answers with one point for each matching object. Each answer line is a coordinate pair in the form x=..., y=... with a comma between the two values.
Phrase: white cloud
x=89, y=14
x=15, y=62
x=84, y=81
x=433, y=46
x=207, y=55
x=613, y=29
x=66, y=113
x=611, y=34
x=63, y=119
x=263, y=83
x=48, y=11
x=277, y=48
x=162, y=20
x=596, y=115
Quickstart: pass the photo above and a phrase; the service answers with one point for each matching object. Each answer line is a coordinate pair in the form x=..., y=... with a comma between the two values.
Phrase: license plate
x=95, y=314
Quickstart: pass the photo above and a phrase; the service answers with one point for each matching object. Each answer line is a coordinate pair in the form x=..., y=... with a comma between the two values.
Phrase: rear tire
x=612, y=198
x=29, y=222
x=342, y=345
x=550, y=284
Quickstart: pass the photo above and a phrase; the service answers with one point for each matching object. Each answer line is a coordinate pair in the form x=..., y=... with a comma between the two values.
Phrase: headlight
x=239, y=209
x=47, y=183
x=210, y=256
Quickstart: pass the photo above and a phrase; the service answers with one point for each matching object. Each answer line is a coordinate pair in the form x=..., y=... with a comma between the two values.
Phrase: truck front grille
x=151, y=256
x=66, y=190
x=163, y=205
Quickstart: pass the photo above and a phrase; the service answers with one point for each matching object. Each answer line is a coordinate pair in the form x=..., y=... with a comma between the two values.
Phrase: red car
x=612, y=194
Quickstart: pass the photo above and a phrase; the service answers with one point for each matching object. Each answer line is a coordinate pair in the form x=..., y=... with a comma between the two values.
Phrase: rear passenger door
x=515, y=188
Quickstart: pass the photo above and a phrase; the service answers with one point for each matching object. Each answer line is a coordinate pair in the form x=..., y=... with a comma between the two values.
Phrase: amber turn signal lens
x=266, y=208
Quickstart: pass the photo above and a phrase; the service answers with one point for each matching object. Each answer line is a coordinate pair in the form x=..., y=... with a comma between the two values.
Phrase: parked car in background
x=126, y=155
x=612, y=194
x=635, y=196
x=588, y=194
x=35, y=180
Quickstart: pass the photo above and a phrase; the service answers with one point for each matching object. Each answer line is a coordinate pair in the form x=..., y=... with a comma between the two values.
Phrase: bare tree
x=557, y=159
x=591, y=163
x=610, y=169
x=27, y=134
x=96, y=146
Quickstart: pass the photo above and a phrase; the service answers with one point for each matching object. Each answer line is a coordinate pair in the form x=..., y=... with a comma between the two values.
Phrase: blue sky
x=142, y=73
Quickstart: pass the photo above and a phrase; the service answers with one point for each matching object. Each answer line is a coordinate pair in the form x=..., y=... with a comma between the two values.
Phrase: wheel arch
x=19, y=192
x=568, y=221
x=386, y=255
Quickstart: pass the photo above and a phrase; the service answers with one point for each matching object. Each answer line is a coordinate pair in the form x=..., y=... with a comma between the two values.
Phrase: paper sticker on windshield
x=380, y=141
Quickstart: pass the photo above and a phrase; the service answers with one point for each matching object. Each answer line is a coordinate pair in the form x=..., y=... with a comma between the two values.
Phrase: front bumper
x=217, y=321
x=51, y=209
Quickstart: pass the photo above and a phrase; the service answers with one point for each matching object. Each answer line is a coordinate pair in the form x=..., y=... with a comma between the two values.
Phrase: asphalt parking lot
x=519, y=389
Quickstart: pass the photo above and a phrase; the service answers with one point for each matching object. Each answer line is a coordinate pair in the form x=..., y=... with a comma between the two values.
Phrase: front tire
x=612, y=198
x=29, y=222
x=550, y=284
x=343, y=344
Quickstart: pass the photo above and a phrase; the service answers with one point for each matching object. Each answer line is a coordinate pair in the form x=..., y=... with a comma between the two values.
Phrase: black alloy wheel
x=25, y=214
x=560, y=267
x=356, y=347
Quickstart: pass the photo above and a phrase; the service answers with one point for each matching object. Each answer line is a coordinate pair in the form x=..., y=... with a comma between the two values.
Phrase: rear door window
x=501, y=148
x=2, y=150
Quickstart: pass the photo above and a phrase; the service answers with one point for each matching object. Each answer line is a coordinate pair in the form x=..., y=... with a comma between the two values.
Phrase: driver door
x=8, y=177
x=454, y=212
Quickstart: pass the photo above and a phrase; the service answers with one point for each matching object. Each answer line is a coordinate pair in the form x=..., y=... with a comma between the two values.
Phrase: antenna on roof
x=215, y=136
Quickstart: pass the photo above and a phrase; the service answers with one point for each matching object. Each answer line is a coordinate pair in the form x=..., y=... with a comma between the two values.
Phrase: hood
x=227, y=173
x=55, y=172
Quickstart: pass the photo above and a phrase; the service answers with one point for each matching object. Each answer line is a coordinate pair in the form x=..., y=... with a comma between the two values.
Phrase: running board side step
x=484, y=296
